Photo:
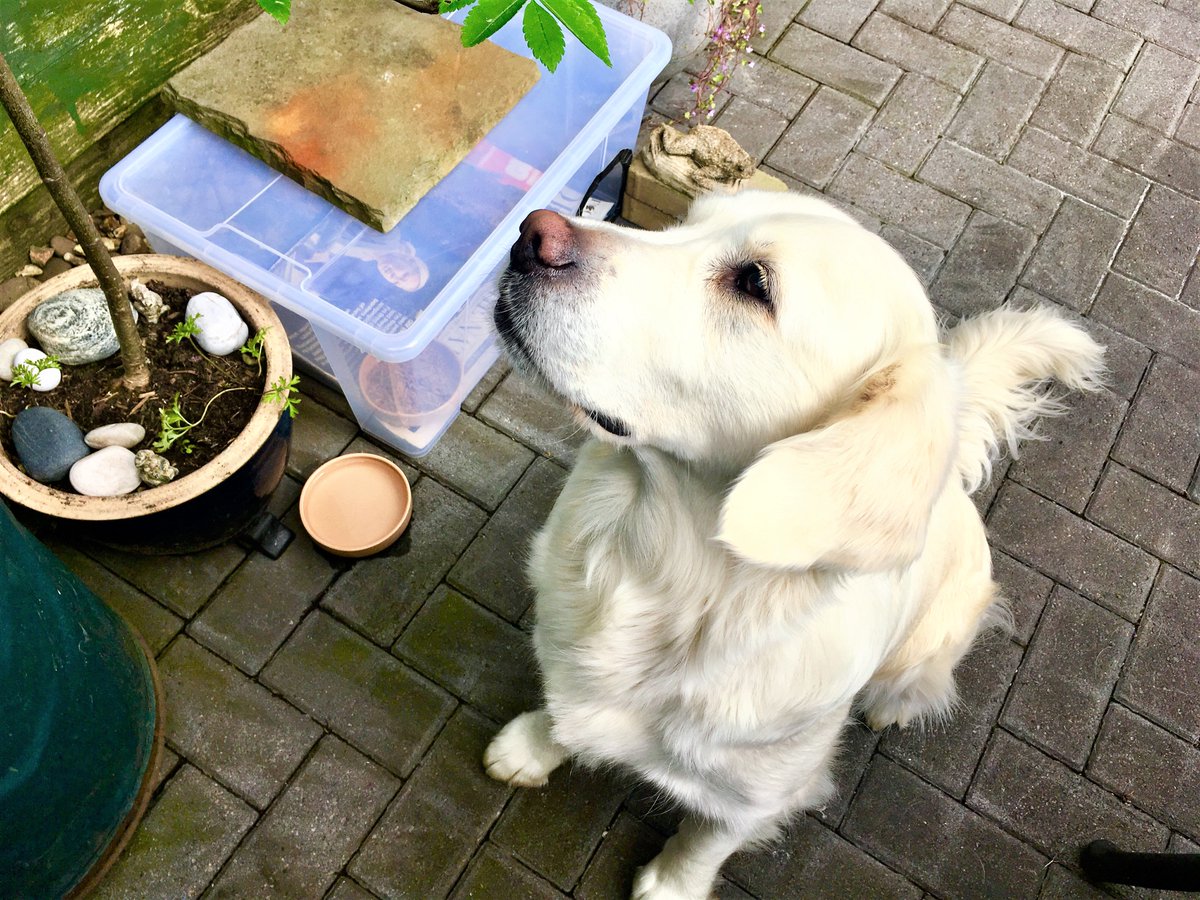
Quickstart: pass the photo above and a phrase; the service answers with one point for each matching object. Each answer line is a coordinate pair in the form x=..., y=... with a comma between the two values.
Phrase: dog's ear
x=856, y=493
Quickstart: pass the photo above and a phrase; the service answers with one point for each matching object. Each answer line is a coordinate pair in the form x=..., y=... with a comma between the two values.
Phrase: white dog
x=772, y=524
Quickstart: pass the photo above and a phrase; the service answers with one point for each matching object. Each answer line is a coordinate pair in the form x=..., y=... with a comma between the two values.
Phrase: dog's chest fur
x=662, y=652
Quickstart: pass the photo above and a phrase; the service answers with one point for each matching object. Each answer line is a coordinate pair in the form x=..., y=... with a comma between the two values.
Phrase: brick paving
x=326, y=718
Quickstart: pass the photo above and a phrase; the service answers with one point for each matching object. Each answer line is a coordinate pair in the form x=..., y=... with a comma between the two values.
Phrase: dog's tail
x=1007, y=356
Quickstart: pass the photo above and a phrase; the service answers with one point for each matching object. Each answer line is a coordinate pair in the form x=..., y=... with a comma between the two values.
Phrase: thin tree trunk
x=133, y=354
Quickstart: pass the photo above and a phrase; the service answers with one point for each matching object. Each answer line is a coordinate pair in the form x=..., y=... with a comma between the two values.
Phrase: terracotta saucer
x=356, y=505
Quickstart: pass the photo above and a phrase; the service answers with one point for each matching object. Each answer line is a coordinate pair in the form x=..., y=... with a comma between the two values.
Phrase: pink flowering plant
x=728, y=49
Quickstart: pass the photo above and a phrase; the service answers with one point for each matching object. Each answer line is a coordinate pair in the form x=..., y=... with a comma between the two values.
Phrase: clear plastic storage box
x=401, y=321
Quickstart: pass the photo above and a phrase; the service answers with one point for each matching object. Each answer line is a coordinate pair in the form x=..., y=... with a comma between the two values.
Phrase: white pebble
x=221, y=327
x=9, y=349
x=106, y=473
x=47, y=379
x=28, y=355
x=121, y=434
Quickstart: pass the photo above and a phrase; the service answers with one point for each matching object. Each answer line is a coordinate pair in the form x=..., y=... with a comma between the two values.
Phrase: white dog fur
x=772, y=527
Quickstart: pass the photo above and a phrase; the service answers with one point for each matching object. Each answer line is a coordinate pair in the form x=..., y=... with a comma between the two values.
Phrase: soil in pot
x=91, y=395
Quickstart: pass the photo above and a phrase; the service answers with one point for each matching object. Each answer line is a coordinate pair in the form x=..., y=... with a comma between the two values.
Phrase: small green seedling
x=174, y=425
x=185, y=330
x=173, y=428
x=252, y=350
x=26, y=374
x=282, y=392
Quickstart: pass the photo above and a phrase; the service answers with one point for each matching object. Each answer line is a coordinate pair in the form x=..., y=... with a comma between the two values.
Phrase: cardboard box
x=651, y=204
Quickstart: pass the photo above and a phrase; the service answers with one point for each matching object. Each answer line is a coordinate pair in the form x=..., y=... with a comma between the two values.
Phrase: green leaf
x=449, y=6
x=488, y=17
x=543, y=36
x=280, y=9
x=582, y=21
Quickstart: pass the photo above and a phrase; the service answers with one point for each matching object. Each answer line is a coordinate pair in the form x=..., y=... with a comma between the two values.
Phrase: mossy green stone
x=364, y=102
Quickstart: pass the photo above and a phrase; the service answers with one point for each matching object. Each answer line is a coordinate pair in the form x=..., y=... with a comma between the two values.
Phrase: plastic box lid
x=389, y=294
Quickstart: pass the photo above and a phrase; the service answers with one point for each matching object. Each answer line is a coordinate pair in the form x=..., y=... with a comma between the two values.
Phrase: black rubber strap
x=624, y=158
x=1102, y=861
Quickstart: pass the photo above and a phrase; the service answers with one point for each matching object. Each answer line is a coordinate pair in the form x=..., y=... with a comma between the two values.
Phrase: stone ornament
x=147, y=302
x=697, y=161
x=154, y=469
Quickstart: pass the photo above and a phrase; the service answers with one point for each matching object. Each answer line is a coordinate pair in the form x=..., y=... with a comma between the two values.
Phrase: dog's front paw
x=929, y=697
x=650, y=885
x=523, y=754
x=898, y=712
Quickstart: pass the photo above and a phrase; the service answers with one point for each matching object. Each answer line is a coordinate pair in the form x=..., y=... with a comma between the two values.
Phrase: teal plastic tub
x=79, y=716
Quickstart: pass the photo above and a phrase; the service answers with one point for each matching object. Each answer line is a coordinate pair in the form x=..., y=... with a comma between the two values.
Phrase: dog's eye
x=751, y=280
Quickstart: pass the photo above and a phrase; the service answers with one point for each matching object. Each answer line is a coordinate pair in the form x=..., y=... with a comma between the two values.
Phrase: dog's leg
x=689, y=862
x=925, y=689
x=924, y=692
x=523, y=753
x=916, y=682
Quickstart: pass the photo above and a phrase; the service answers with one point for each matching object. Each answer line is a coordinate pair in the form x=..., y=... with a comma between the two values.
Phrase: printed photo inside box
x=402, y=320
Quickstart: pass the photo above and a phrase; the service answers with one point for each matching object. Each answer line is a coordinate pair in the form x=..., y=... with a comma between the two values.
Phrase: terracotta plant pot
x=412, y=394
x=207, y=506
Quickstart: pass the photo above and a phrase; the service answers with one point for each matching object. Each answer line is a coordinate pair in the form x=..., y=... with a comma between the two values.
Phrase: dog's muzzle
x=548, y=244
x=548, y=249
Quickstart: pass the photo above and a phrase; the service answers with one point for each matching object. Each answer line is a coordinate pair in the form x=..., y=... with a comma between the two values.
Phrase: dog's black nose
x=547, y=241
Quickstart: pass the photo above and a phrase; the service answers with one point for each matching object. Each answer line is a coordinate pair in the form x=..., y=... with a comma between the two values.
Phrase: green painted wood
x=77, y=716
x=87, y=66
x=32, y=219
